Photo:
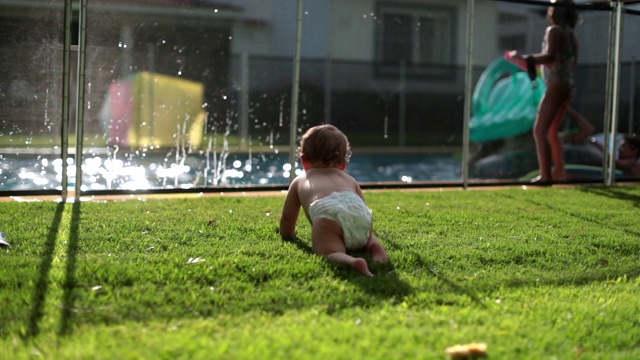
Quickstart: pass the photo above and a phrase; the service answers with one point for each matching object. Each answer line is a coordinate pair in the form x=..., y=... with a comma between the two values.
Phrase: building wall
x=345, y=30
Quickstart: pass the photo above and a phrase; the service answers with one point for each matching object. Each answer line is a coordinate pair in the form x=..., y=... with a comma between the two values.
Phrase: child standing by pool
x=332, y=201
x=559, y=58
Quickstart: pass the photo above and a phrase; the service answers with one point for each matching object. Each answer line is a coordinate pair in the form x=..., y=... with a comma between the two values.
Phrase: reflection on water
x=166, y=171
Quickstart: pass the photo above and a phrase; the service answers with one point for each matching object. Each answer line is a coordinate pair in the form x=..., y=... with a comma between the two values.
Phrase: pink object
x=520, y=63
x=121, y=99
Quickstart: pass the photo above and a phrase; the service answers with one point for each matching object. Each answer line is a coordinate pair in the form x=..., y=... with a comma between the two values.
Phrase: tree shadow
x=41, y=286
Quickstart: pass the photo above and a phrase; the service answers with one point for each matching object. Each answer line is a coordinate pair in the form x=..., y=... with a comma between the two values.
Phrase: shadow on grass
x=616, y=193
x=300, y=244
x=385, y=283
x=70, y=273
x=576, y=279
x=612, y=193
x=41, y=286
x=420, y=262
x=600, y=271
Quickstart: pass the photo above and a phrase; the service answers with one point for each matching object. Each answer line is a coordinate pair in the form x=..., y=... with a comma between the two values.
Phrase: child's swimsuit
x=562, y=69
x=350, y=211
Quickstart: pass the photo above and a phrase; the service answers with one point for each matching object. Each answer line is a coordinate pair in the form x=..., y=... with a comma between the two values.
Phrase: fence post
x=295, y=84
x=64, y=132
x=82, y=52
x=468, y=93
x=632, y=94
x=613, y=87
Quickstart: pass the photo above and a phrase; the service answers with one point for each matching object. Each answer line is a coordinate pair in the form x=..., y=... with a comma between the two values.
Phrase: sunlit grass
x=536, y=274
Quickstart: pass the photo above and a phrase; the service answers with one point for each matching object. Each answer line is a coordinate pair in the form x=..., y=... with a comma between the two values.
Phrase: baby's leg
x=359, y=264
x=326, y=238
x=376, y=250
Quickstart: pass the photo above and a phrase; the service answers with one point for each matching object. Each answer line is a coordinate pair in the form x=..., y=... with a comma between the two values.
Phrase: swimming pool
x=153, y=171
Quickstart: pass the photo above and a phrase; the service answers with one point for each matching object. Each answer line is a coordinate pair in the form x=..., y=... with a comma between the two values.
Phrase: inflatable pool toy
x=518, y=160
x=504, y=102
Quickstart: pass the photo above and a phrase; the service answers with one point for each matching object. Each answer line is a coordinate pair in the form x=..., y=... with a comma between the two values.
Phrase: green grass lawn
x=548, y=273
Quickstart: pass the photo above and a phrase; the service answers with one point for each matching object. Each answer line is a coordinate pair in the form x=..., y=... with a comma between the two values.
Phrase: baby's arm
x=290, y=213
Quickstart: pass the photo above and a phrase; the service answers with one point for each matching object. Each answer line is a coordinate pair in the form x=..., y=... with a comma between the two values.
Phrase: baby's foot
x=378, y=254
x=380, y=258
x=361, y=266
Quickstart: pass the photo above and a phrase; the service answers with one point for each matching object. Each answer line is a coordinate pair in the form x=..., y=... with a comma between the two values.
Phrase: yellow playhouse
x=154, y=110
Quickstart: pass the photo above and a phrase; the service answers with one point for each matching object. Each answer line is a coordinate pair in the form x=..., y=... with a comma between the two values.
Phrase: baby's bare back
x=318, y=183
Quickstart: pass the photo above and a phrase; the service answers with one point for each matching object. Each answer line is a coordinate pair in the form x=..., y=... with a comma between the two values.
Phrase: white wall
x=344, y=29
x=352, y=25
x=485, y=48
x=268, y=28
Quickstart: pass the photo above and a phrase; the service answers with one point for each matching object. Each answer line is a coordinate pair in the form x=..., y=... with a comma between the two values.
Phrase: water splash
x=46, y=109
x=280, y=117
x=386, y=121
x=218, y=160
x=207, y=162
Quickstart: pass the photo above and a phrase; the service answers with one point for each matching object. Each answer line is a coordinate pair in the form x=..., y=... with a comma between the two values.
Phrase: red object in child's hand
x=521, y=63
x=531, y=69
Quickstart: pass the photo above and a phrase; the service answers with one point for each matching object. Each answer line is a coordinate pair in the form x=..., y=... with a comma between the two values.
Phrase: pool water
x=167, y=171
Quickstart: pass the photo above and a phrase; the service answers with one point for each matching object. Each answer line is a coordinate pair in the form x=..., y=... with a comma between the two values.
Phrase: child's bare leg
x=540, y=130
x=359, y=264
x=376, y=250
x=326, y=238
x=557, y=152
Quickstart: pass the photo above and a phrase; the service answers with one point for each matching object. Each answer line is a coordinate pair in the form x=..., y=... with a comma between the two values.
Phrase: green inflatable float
x=505, y=102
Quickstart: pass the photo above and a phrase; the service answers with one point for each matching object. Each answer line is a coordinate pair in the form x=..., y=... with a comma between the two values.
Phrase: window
x=420, y=37
x=513, y=30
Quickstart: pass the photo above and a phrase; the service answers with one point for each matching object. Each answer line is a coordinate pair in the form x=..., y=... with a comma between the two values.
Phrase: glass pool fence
x=112, y=96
